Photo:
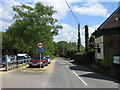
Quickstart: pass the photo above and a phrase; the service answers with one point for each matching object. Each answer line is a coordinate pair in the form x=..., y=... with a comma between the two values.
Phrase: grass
x=34, y=70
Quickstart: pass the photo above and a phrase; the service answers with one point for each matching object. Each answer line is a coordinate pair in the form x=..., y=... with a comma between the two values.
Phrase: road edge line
x=80, y=78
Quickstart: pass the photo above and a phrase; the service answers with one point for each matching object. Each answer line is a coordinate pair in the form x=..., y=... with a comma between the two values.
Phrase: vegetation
x=66, y=49
x=91, y=43
x=86, y=38
x=107, y=62
x=63, y=47
x=0, y=43
x=32, y=25
x=79, y=39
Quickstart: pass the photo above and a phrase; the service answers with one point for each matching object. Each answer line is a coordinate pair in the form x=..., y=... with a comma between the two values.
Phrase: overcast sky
x=90, y=12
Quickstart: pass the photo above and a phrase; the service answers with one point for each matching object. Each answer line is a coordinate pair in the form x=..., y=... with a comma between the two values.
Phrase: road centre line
x=80, y=78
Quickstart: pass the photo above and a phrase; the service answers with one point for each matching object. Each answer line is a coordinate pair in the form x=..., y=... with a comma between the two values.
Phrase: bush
x=70, y=54
x=52, y=57
x=107, y=62
x=84, y=58
x=81, y=59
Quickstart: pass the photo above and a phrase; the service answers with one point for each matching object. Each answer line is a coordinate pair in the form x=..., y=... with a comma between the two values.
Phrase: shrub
x=70, y=54
x=84, y=58
x=107, y=62
x=81, y=58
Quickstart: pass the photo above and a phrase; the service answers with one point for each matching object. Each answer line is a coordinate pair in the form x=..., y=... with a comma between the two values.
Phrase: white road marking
x=80, y=78
x=67, y=66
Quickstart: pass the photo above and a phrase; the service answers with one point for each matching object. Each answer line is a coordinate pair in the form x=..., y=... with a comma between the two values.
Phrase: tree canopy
x=62, y=48
x=32, y=25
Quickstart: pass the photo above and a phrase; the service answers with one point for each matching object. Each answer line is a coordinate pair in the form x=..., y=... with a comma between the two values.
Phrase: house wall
x=99, y=40
x=111, y=45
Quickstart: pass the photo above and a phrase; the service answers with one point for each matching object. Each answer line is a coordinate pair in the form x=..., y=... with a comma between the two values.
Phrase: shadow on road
x=97, y=76
x=78, y=68
x=90, y=75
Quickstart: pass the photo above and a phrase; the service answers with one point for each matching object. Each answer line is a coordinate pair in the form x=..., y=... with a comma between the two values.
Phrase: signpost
x=40, y=45
x=39, y=50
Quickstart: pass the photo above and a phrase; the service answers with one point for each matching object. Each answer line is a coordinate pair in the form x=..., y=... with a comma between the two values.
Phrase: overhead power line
x=79, y=39
x=71, y=11
x=73, y=36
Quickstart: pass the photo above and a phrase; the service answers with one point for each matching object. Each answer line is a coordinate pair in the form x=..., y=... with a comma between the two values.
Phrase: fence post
x=6, y=62
x=15, y=60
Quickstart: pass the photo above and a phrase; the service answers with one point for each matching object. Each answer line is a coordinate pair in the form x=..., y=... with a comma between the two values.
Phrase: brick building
x=107, y=36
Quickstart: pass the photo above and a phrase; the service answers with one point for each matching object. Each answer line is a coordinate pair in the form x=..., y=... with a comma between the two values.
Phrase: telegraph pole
x=79, y=39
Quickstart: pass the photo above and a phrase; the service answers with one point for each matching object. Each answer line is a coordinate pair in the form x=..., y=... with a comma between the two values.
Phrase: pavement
x=63, y=74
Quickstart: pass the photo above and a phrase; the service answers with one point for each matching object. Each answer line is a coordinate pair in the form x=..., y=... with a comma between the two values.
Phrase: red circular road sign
x=40, y=45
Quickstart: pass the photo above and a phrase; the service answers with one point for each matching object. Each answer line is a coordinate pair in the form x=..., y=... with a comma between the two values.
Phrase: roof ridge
x=109, y=17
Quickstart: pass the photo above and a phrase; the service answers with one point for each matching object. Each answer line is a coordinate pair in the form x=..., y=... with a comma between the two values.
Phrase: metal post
x=6, y=63
x=40, y=59
x=14, y=61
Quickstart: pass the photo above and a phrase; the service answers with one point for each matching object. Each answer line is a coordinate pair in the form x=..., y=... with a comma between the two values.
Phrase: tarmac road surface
x=64, y=75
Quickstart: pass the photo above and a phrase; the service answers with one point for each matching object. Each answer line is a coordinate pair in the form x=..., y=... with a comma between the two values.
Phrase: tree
x=0, y=44
x=91, y=43
x=79, y=39
x=33, y=25
x=61, y=48
x=86, y=38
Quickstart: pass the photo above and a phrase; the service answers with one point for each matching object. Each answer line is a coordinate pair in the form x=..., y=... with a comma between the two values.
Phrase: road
x=64, y=75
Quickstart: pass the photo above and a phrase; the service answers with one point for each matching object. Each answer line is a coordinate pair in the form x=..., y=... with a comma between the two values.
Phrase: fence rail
x=13, y=64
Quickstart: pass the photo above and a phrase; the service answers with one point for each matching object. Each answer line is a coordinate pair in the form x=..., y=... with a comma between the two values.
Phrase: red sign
x=40, y=45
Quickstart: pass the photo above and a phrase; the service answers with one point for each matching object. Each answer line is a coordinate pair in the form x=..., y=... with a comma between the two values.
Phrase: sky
x=88, y=12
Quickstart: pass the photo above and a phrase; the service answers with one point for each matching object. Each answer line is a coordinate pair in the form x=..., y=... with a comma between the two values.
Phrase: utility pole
x=79, y=39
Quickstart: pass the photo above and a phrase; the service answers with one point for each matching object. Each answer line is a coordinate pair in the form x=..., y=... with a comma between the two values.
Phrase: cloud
x=7, y=13
x=63, y=0
x=61, y=8
x=91, y=9
x=68, y=34
x=6, y=18
x=92, y=29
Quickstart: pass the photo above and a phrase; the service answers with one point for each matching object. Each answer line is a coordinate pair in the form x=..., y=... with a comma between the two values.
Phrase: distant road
x=64, y=75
